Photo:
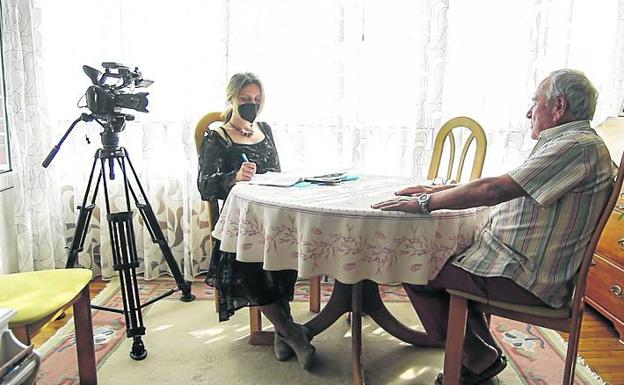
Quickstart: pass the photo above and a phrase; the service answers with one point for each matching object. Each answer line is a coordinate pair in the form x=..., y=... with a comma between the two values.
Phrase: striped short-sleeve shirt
x=539, y=240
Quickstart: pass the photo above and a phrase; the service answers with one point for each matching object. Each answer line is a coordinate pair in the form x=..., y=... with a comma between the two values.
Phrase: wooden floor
x=599, y=346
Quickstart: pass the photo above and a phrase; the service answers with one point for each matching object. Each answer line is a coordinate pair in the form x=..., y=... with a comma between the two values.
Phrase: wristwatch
x=423, y=201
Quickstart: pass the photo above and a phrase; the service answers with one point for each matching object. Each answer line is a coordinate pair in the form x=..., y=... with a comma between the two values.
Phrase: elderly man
x=544, y=214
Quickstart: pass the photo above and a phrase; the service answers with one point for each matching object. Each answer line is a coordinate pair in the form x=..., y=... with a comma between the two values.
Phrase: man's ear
x=561, y=107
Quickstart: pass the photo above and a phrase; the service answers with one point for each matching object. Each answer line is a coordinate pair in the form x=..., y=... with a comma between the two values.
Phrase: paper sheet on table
x=280, y=179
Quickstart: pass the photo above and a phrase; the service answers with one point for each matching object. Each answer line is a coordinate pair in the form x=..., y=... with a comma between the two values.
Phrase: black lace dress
x=240, y=284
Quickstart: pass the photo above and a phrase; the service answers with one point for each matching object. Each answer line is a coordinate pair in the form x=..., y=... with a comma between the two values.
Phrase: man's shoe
x=282, y=351
x=469, y=378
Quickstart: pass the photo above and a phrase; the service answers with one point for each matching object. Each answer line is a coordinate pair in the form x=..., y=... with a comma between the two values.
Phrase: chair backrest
x=476, y=135
x=202, y=127
x=581, y=278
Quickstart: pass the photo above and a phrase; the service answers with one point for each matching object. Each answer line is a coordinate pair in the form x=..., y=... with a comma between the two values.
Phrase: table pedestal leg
x=373, y=305
x=338, y=304
x=357, y=298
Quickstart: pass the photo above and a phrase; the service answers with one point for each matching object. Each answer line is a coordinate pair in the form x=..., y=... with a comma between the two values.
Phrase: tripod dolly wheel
x=187, y=296
x=138, y=351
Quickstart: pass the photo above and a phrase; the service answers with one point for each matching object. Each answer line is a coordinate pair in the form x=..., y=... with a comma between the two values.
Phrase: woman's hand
x=405, y=204
x=415, y=190
x=246, y=172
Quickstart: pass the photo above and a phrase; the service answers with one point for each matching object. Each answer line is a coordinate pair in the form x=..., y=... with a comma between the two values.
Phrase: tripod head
x=105, y=98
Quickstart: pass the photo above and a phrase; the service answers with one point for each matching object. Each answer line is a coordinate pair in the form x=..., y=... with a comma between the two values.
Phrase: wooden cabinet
x=605, y=285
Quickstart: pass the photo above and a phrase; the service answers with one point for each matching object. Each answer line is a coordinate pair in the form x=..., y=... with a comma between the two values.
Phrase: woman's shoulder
x=215, y=141
x=266, y=129
x=219, y=136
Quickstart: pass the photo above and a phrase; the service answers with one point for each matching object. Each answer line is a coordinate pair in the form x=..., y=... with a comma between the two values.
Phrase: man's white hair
x=578, y=91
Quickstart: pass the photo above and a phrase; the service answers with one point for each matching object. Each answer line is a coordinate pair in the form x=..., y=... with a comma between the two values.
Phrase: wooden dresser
x=605, y=286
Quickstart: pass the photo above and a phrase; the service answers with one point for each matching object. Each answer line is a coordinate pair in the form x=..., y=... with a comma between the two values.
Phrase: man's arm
x=422, y=189
x=481, y=192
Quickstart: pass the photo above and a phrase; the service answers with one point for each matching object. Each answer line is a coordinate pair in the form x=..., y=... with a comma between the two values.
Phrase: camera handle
x=83, y=118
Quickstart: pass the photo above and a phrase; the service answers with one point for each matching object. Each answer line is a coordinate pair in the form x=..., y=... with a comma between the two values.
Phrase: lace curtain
x=38, y=214
x=349, y=84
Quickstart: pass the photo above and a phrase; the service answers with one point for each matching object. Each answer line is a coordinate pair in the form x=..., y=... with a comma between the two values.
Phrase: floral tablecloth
x=332, y=230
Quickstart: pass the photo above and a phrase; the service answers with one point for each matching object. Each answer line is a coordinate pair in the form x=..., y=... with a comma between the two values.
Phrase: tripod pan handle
x=50, y=156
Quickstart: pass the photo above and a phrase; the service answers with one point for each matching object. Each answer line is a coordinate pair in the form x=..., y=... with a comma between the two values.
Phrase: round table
x=331, y=230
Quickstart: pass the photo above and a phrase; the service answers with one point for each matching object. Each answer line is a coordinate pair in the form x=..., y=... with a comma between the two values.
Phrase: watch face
x=424, y=198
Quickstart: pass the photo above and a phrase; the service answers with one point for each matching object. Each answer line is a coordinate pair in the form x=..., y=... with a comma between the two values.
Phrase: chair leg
x=216, y=299
x=85, y=349
x=21, y=333
x=357, y=365
x=255, y=320
x=315, y=294
x=456, y=332
x=573, y=341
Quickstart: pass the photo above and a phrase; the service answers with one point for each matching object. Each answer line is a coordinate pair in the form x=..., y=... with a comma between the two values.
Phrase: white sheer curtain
x=349, y=84
x=498, y=52
x=37, y=209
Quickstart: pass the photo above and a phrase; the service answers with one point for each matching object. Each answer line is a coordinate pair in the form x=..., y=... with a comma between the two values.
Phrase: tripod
x=121, y=229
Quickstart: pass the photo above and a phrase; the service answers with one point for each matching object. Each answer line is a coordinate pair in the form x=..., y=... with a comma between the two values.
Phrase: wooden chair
x=446, y=132
x=567, y=319
x=255, y=319
x=40, y=296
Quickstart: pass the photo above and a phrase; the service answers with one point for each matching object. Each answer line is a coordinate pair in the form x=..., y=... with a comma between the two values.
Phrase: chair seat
x=37, y=294
x=541, y=311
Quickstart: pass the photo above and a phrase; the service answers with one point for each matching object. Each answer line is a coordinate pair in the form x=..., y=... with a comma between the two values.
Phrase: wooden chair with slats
x=257, y=336
x=477, y=135
x=567, y=319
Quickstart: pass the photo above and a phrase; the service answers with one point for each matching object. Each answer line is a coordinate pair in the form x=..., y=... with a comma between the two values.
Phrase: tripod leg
x=84, y=217
x=158, y=237
x=125, y=261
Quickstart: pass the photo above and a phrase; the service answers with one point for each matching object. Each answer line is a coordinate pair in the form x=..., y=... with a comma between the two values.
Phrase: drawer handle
x=616, y=290
x=621, y=243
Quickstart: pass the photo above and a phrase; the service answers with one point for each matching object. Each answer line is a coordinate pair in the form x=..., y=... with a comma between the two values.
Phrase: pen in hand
x=247, y=169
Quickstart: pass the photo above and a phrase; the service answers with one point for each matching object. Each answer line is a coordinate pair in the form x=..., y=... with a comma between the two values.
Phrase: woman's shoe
x=282, y=351
x=297, y=338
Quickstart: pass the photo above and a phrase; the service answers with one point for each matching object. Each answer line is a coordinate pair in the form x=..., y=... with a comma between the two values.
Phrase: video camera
x=106, y=94
x=105, y=98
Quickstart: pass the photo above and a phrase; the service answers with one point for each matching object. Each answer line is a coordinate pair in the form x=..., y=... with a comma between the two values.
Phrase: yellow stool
x=40, y=296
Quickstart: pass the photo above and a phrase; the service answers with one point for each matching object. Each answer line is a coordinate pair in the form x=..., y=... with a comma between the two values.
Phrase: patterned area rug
x=187, y=346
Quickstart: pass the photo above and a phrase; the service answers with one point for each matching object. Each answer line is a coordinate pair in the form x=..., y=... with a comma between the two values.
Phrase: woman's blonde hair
x=234, y=88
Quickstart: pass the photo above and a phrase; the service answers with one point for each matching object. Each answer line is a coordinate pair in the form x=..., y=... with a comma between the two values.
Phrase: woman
x=233, y=153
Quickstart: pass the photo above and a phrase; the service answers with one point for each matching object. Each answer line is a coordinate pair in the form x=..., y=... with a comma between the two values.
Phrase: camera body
x=107, y=94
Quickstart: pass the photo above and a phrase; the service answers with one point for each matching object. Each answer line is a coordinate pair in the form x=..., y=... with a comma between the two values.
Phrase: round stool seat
x=37, y=294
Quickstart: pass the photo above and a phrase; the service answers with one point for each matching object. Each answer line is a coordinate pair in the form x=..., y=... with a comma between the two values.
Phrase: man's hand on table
x=404, y=203
x=408, y=201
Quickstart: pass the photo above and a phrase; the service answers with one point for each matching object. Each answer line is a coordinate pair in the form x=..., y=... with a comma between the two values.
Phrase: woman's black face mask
x=248, y=111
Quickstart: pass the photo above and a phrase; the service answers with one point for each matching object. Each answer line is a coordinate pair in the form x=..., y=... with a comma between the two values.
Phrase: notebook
x=287, y=179
x=280, y=179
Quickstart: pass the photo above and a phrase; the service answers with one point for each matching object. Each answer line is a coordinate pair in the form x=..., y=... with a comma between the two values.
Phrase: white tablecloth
x=332, y=230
